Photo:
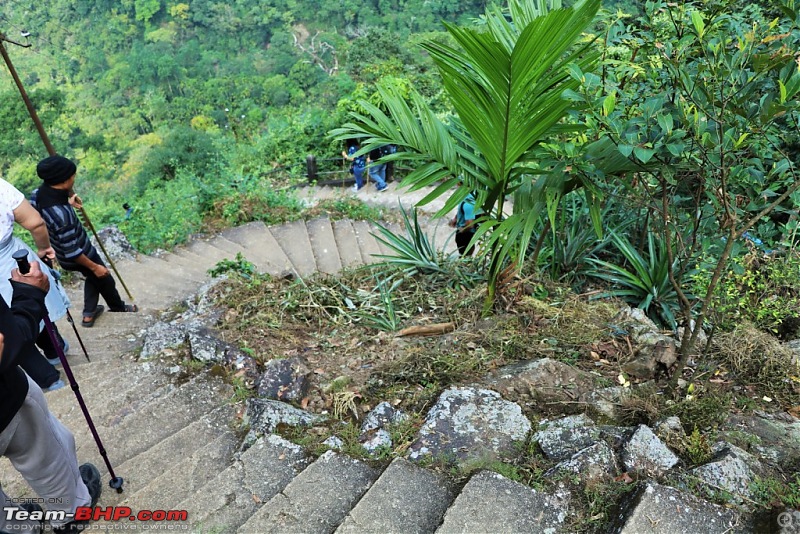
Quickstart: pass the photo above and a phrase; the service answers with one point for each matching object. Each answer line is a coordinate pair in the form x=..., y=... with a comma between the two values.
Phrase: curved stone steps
x=172, y=441
x=324, y=245
x=296, y=244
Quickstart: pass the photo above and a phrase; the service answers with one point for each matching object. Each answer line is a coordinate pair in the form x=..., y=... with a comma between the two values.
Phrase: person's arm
x=27, y=217
x=99, y=270
x=20, y=322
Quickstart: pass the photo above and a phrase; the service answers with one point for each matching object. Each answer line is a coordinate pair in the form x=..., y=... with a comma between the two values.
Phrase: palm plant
x=645, y=283
x=505, y=81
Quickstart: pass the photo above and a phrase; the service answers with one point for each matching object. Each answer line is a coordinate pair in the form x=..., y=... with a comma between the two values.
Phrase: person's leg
x=462, y=242
x=46, y=345
x=378, y=172
x=106, y=286
x=358, y=172
x=43, y=451
x=38, y=368
x=15, y=525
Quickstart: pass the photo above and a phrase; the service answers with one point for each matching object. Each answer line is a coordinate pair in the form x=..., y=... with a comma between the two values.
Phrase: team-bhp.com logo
x=86, y=513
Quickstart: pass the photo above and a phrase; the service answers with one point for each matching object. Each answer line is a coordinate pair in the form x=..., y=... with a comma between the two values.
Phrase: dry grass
x=759, y=360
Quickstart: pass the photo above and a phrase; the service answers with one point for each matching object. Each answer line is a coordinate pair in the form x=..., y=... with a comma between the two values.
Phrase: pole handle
x=21, y=257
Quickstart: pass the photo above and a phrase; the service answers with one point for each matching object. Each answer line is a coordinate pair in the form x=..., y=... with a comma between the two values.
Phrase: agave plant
x=505, y=81
x=645, y=283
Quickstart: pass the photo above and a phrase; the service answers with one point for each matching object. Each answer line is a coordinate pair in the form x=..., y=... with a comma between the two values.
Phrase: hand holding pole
x=21, y=257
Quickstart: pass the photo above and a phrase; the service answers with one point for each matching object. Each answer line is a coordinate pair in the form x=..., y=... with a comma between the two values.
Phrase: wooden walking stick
x=52, y=152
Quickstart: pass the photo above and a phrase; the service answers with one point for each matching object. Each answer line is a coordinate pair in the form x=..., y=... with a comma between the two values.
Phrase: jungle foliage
x=649, y=148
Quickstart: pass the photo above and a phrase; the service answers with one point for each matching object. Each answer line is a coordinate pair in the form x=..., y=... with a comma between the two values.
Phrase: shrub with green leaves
x=760, y=289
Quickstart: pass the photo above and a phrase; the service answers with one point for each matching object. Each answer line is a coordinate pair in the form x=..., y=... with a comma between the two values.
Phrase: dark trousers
x=462, y=242
x=46, y=346
x=37, y=367
x=94, y=287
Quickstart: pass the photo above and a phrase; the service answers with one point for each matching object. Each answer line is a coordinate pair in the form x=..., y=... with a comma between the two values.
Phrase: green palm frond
x=506, y=81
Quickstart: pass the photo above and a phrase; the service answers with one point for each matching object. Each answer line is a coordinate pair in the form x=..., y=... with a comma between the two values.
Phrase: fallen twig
x=427, y=330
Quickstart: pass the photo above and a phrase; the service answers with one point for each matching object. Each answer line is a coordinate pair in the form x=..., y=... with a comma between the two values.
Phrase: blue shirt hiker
x=359, y=164
x=464, y=222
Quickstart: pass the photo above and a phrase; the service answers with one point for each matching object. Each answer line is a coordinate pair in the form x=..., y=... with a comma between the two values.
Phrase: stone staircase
x=173, y=435
x=173, y=438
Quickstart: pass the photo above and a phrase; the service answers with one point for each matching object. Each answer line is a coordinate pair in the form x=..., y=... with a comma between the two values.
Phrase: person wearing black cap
x=73, y=249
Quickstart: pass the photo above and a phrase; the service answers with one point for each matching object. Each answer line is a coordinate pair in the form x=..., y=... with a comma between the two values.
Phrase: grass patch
x=761, y=361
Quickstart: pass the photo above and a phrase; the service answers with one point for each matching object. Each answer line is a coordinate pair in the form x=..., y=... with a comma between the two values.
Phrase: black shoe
x=90, y=323
x=91, y=477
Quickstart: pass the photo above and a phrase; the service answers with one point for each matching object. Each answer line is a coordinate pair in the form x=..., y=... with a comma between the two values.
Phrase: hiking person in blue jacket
x=358, y=166
x=377, y=169
x=464, y=223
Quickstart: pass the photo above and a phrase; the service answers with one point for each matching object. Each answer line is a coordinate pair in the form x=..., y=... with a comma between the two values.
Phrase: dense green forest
x=157, y=99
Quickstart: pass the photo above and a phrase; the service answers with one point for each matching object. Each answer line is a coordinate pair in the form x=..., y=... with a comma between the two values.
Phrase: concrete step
x=366, y=242
x=111, y=390
x=111, y=393
x=209, y=254
x=492, y=503
x=155, y=283
x=262, y=248
x=347, y=243
x=189, y=257
x=293, y=239
x=223, y=243
x=165, y=475
x=255, y=477
x=156, y=420
x=405, y=498
x=323, y=245
x=317, y=500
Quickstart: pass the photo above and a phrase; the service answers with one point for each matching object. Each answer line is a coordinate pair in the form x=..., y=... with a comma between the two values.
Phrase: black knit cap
x=55, y=170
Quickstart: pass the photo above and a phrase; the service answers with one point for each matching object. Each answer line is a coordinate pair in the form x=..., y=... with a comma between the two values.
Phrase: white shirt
x=10, y=199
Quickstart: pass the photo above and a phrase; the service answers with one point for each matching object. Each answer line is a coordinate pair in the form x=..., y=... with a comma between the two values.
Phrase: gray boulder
x=115, y=243
x=376, y=440
x=561, y=438
x=263, y=417
x=162, y=336
x=468, y=424
x=732, y=471
x=656, y=509
x=595, y=464
x=543, y=381
x=645, y=453
x=773, y=438
x=381, y=416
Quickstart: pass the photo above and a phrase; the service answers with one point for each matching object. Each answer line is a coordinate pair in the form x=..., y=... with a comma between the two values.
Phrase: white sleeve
x=10, y=197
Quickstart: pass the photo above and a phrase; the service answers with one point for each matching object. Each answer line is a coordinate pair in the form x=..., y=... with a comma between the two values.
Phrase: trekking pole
x=21, y=257
x=87, y=222
x=57, y=277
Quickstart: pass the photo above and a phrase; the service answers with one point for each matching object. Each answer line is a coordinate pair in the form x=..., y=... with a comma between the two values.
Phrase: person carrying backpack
x=464, y=223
